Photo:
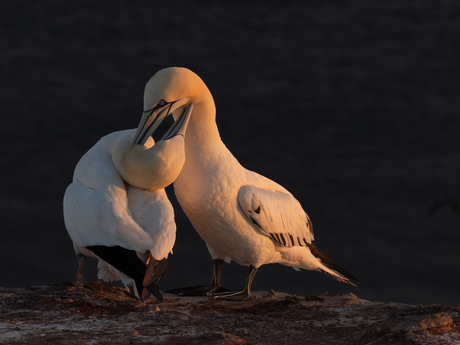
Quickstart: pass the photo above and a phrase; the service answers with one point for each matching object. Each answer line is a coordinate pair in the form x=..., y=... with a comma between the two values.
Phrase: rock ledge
x=65, y=314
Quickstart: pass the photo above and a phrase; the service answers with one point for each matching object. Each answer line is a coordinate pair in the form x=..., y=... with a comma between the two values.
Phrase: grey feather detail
x=283, y=240
x=292, y=240
x=255, y=222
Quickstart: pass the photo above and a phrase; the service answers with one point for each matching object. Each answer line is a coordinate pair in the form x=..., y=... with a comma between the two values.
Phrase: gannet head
x=151, y=166
x=173, y=90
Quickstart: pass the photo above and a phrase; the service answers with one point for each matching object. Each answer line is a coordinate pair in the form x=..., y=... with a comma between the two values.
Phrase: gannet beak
x=152, y=118
x=180, y=125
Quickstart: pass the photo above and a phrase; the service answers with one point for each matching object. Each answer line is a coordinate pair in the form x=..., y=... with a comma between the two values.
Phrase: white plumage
x=100, y=209
x=277, y=215
x=116, y=208
x=241, y=215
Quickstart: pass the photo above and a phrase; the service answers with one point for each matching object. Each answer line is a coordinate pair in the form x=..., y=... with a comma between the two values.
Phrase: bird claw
x=231, y=295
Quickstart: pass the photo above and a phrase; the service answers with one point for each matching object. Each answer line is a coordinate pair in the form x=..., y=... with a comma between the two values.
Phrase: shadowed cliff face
x=65, y=314
x=352, y=107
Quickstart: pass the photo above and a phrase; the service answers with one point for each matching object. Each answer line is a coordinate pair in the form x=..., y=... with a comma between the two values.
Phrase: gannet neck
x=180, y=83
x=150, y=166
x=176, y=89
x=202, y=131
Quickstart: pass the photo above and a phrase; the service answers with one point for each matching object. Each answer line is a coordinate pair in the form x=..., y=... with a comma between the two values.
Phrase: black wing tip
x=343, y=272
x=128, y=262
x=350, y=276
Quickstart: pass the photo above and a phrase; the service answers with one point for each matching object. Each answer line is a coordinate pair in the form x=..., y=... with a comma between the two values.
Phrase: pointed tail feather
x=331, y=266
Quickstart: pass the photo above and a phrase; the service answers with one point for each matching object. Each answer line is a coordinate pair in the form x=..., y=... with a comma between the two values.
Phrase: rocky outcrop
x=95, y=314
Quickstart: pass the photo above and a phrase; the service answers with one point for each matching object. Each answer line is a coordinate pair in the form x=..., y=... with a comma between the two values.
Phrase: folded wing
x=100, y=217
x=277, y=215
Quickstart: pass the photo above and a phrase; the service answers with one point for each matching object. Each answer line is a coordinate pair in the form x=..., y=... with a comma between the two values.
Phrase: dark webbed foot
x=179, y=291
x=231, y=295
x=242, y=295
x=153, y=289
x=197, y=290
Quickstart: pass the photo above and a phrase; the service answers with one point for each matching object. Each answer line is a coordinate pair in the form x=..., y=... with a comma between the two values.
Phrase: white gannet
x=116, y=208
x=241, y=215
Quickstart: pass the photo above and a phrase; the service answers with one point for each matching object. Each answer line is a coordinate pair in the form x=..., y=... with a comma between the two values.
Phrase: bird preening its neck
x=178, y=84
x=169, y=92
x=181, y=93
x=149, y=166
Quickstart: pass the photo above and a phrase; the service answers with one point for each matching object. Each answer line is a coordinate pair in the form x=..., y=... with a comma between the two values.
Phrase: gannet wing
x=277, y=215
x=153, y=211
x=100, y=217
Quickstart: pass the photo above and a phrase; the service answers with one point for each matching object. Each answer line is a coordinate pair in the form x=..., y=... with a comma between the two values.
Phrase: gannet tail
x=330, y=267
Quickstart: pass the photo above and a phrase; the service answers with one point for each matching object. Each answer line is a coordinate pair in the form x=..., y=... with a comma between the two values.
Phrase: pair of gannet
x=116, y=208
x=241, y=215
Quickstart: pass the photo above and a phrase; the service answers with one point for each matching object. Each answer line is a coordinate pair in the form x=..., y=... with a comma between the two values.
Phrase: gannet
x=116, y=208
x=241, y=215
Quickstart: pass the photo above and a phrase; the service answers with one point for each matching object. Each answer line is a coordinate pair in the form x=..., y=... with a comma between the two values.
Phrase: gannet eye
x=161, y=102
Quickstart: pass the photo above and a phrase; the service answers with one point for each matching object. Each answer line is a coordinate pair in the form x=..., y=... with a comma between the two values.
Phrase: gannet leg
x=78, y=280
x=217, y=267
x=242, y=295
x=154, y=275
x=199, y=290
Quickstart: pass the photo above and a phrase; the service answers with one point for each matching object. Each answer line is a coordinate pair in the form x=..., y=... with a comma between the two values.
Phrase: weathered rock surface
x=65, y=314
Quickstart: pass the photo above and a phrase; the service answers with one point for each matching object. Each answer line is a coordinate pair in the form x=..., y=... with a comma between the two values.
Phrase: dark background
x=353, y=107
